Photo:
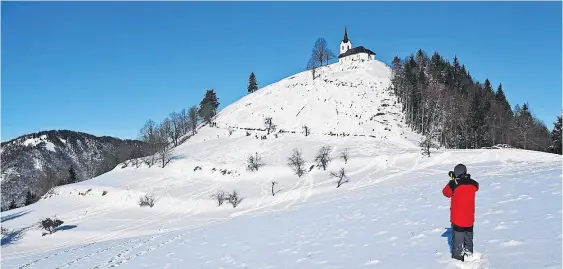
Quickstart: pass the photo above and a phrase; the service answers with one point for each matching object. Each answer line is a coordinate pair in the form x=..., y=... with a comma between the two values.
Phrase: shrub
x=147, y=200
x=344, y=155
x=341, y=175
x=50, y=225
x=254, y=162
x=220, y=196
x=234, y=199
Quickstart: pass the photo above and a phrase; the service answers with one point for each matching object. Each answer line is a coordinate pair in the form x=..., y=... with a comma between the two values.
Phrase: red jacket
x=462, y=194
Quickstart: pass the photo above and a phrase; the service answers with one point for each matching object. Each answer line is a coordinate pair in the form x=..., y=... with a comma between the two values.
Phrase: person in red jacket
x=461, y=189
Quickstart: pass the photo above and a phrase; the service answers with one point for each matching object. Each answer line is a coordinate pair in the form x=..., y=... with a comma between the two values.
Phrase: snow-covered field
x=391, y=213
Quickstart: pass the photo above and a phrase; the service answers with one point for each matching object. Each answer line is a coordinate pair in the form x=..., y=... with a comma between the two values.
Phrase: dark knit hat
x=459, y=170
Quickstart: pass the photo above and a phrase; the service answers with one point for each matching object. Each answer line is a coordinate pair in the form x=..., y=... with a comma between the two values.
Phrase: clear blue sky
x=106, y=67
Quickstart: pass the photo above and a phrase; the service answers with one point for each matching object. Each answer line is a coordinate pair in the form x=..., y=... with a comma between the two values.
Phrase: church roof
x=356, y=50
x=345, y=40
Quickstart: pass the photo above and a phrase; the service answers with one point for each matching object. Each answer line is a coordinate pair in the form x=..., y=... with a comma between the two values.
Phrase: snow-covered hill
x=391, y=213
x=351, y=99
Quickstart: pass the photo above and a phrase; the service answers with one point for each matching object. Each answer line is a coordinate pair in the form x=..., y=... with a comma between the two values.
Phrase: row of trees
x=441, y=100
x=163, y=137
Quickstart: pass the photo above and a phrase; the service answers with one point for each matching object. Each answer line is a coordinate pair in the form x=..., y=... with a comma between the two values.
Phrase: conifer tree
x=72, y=176
x=208, y=106
x=556, y=137
x=252, y=85
x=30, y=198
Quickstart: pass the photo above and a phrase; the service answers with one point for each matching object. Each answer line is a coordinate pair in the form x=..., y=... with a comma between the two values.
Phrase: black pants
x=462, y=241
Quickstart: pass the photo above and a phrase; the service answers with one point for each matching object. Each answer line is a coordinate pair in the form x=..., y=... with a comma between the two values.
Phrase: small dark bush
x=147, y=200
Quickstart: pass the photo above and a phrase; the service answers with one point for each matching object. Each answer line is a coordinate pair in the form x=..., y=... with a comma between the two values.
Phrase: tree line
x=442, y=101
x=177, y=127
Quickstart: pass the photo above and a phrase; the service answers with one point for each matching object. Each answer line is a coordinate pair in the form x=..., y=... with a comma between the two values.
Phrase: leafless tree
x=341, y=176
x=306, y=130
x=321, y=52
x=147, y=200
x=176, y=127
x=149, y=134
x=234, y=199
x=296, y=162
x=345, y=155
x=312, y=65
x=427, y=142
x=254, y=162
x=192, y=119
x=323, y=157
x=220, y=196
x=184, y=121
x=270, y=126
x=165, y=149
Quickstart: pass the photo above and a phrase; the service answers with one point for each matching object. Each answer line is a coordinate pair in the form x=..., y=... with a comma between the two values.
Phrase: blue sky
x=106, y=67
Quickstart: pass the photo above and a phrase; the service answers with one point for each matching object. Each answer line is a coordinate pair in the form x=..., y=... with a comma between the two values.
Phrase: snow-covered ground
x=391, y=213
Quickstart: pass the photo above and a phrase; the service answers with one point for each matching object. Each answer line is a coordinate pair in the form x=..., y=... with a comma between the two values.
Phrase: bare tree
x=165, y=149
x=184, y=121
x=234, y=199
x=341, y=176
x=254, y=162
x=270, y=126
x=192, y=119
x=175, y=127
x=312, y=65
x=306, y=130
x=297, y=163
x=323, y=157
x=345, y=155
x=149, y=134
x=321, y=52
x=220, y=196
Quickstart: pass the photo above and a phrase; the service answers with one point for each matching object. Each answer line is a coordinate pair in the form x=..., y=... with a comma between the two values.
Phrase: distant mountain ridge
x=39, y=161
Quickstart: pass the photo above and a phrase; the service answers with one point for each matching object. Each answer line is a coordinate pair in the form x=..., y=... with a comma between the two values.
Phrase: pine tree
x=208, y=106
x=252, y=85
x=556, y=137
x=30, y=198
x=12, y=205
x=72, y=176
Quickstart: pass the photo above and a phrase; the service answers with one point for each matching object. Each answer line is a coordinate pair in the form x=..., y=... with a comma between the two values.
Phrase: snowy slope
x=353, y=99
x=390, y=215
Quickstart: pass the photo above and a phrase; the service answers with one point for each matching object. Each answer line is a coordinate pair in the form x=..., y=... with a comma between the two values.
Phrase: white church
x=349, y=54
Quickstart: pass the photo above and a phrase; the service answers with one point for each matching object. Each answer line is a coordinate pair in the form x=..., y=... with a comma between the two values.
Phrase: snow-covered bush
x=220, y=196
x=345, y=155
x=234, y=199
x=254, y=162
x=147, y=200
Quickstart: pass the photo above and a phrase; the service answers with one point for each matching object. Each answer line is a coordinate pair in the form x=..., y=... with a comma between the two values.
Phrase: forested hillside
x=442, y=100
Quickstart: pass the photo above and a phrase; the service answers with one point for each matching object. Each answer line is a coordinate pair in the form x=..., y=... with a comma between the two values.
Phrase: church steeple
x=345, y=44
x=345, y=40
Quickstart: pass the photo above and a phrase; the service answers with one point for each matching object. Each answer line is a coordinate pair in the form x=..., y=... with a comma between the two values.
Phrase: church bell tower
x=345, y=44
